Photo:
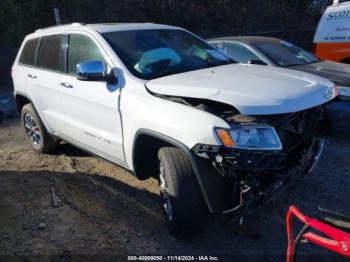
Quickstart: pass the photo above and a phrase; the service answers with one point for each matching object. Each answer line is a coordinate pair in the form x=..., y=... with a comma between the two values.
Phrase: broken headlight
x=250, y=136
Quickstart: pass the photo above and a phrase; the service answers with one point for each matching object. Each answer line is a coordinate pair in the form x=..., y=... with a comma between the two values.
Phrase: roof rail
x=72, y=24
x=77, y=23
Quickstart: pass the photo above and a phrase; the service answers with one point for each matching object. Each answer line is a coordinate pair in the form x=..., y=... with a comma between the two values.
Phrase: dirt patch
x=104, y=211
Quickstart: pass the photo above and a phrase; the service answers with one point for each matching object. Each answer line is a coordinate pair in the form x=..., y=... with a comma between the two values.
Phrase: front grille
x=254, y=161
x=293, y=128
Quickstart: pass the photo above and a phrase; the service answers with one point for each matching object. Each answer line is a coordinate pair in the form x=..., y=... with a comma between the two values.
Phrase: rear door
x=92, y=117
x=43, y=82
x=24, y=66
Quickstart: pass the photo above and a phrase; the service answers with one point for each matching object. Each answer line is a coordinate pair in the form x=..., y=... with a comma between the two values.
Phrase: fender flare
x=20, y=93
x=31, y=101
x=186, y=150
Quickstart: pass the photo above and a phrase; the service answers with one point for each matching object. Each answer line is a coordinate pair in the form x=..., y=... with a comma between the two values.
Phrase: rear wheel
x=183, y=206
x=35, y=130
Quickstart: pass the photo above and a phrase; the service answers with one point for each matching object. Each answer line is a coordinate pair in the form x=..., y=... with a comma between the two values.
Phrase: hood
x=336, y=72
x=251, y=89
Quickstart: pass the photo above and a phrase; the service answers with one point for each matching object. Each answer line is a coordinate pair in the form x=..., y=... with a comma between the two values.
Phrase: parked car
x=332, y=37
x=161, y=102
x=279, y=53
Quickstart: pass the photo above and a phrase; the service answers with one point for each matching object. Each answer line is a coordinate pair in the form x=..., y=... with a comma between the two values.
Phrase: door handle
x=32, y=76
x=67, y=85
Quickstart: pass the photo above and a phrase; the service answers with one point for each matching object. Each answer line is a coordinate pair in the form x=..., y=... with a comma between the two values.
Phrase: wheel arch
x=150, y=142
x=21, y=100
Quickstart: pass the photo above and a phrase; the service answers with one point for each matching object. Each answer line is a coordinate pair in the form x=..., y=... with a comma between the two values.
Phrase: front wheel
x=183, y=206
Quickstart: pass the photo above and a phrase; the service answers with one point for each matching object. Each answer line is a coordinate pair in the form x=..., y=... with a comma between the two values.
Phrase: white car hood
x=251, y=89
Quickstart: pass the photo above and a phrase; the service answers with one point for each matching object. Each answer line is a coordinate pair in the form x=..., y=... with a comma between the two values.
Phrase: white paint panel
x=251, y=89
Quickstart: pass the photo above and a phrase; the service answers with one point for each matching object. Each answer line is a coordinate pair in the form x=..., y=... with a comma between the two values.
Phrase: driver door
x=92, y=117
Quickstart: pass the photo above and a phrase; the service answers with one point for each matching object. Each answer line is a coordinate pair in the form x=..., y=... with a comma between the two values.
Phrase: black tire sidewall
x=189, y=211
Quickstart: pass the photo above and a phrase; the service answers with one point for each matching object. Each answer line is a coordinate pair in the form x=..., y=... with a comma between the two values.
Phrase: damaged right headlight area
x=260, y=154
x=250, y=136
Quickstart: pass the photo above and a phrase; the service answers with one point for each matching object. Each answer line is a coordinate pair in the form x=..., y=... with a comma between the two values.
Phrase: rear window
x=50, y=55
x=28, y=54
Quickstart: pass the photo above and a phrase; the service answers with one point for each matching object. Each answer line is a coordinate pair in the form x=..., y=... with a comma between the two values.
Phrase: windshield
x=285, y=54
x=149, y=54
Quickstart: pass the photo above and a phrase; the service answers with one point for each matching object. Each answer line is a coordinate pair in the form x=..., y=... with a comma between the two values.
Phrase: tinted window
x=28, y=54
x=239, y=53
x=217, y=44
x=50, y=53
x=82, y=48
x=150, y=54
x=284, y=53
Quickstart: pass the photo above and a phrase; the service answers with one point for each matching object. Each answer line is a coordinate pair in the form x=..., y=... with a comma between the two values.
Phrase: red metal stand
x=338, y=240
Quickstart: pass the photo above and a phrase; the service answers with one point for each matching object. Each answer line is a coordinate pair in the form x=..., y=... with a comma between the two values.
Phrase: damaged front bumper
x=250, y=178
x=271, y=191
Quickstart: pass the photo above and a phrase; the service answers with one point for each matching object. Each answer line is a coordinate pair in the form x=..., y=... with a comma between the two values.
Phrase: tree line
x=205, y=17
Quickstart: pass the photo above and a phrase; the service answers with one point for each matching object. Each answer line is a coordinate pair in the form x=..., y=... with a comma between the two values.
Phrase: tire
x=35, y=130
x=183, y=206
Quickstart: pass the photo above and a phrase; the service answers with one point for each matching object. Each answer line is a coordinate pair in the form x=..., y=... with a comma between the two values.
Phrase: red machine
x=334, y=239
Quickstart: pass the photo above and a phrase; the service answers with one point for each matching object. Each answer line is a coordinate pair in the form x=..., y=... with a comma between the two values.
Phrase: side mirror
x=93, y=71
x=256, y=62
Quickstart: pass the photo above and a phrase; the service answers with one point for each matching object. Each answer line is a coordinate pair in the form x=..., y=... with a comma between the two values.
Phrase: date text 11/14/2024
x=173, y=258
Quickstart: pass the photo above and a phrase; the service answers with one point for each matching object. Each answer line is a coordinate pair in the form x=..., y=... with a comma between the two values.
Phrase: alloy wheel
x=32, y=129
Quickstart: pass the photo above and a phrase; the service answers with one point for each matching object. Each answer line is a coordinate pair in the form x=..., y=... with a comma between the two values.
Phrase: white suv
x=220, y=136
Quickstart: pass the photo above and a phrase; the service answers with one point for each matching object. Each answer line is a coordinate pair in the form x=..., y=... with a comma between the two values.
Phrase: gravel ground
x=105, y=213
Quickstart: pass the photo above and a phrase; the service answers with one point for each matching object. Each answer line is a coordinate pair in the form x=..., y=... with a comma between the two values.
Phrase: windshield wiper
x=307, y=63
x=289, y=65
x=164, y=72
x=316, y=61
x=213, y=64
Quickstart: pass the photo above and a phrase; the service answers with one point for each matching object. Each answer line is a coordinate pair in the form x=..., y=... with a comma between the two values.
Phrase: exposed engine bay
x=250, y=175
